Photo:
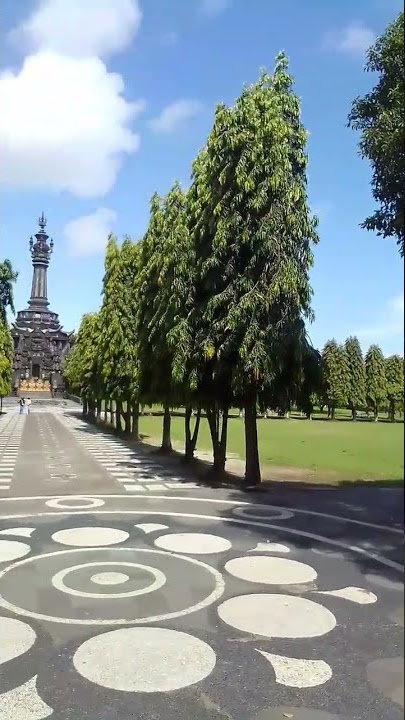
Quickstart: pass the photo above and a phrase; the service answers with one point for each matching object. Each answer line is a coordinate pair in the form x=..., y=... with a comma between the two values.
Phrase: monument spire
x=41, y=252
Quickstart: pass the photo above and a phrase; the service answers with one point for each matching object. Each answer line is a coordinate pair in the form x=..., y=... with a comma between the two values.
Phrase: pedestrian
x=22, y=405
x=28, y=404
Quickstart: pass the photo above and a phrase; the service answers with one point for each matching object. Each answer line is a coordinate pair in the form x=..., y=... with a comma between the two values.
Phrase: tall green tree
x=117, y=347
x=8, y=276
x=356, y=396
x=165, y=282
x=253, y=231
x=376, y=383
x=335, y=376
x=81, y=371
x=379, y=116
x=6, y=360
x=394, y=375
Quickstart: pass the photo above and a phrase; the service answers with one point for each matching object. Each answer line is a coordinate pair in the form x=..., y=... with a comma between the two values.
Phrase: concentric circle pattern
x=126, y=609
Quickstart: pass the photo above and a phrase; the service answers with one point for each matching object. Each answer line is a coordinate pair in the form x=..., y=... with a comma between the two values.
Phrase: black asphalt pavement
x=128, y=590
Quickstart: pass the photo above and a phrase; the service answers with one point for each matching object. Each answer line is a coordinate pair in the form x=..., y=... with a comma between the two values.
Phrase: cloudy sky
x=104, y=101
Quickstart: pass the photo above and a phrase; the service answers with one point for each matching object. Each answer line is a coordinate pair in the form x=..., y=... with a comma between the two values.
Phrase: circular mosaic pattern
x=90, y=536
x=145, y=660
x=16, y=637
x=12, y=549
x=190, y=585
x=193, y=543
x=75, y=503
x=277, y=616
x=271, y=570
x=158, y=580
x=125, y=582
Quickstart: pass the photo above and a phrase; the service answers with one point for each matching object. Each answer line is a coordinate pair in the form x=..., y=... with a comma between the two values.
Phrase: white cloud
x=174, y=116
x=390, y=323
x=211, y=8
x=355, y=39
x=88, y=235
x=64, y=125
x=79, y=28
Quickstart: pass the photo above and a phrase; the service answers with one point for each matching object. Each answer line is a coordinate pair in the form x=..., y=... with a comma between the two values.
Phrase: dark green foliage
x=379, y=116
x=356, y=396
x=376, y=384
x=335, y=376
x=394, y=375
x=7, y=277
x=253, y=231
x=6, y=358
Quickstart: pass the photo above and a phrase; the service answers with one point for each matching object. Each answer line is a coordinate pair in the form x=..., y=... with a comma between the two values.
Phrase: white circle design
x=109, y=578
x=65, y=503
x=277, y=616
x=90, y=536
x=12, y=549
x=216, y=593
x=193, y=543
x=271, y=570
x=16, y=637
x=145, y=660
x=244, y=512
x=59, y=583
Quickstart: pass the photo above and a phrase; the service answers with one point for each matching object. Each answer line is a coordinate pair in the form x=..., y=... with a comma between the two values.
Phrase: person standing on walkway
x=28, y=404
x=22, y=405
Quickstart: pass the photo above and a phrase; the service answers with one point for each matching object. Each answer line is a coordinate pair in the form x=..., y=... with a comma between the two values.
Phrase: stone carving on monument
x=40, y=343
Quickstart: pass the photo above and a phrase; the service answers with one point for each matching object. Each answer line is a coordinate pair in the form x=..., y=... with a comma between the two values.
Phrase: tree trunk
x=166, y=439
x=218, y=437
x=85, y=406
x=252, y=466
x=92, y=408
x=118, y=413
x=332, y=412
x=376, y=414
x=354, y=414
x=191, y=439
x=392, y=412
x=135, y=421
x=127, y=419
x=112, y=413
x=98, y=410
x=105, y=411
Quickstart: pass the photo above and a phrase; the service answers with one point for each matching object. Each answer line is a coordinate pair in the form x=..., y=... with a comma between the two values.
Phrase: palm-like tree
x=7, y=277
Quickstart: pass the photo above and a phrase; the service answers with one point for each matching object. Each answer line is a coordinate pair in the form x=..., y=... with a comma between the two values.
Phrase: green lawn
x=352, y=451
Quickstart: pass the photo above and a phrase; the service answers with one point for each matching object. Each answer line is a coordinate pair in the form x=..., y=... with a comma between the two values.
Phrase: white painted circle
x=58, y=581
x=109, y=578
x=86, y=503
x=277, y=616
x=144, y=659
x=216, y=593
x=193, y=543
x=271, y=570
x=244, y=512
x=12, y=549
x=16, y=637
x=90, y=536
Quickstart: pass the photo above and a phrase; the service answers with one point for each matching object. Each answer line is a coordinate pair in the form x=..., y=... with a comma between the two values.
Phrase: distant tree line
x=347, y=380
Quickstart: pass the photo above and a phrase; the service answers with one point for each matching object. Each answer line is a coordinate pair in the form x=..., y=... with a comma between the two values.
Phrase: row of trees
x=7, y=278
x=208, y=310
x=372, y=383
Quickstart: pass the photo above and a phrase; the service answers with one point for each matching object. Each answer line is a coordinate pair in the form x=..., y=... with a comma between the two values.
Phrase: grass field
x=351, y=451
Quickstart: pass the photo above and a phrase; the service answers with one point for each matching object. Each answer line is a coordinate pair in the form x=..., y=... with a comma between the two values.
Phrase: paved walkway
x=128, y=592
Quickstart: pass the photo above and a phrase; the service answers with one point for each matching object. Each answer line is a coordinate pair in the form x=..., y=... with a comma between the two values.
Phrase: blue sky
x=100, y=107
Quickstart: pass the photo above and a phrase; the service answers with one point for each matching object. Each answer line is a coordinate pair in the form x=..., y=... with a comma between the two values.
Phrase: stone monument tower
x=40, y=343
